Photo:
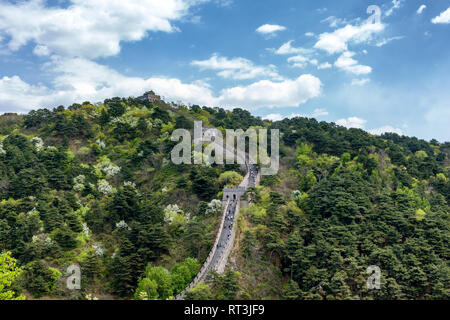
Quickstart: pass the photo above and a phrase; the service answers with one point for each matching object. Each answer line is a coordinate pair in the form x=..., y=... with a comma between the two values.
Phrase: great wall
x=221, y=250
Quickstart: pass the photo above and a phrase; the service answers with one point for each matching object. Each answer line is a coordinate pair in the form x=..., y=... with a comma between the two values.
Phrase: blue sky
x=331, y=60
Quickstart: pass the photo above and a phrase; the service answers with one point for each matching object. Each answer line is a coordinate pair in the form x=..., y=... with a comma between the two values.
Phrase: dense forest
x=93, y=185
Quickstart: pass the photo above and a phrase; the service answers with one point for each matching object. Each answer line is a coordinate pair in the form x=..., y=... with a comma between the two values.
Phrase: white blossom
x=79, y=183
x=38, y=143
x=173, y=213
x=104, y=187
x=126, y=118
x=33, y=212
x=214, y=207
x=111, y=170
x=129, y=184
x=99, y=249
x=122, y=225
x=86, y=229
x=100, y=143
x=43, y=239
x=296, y=195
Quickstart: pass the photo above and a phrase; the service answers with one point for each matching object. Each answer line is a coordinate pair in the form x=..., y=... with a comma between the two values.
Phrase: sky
x=382, y=66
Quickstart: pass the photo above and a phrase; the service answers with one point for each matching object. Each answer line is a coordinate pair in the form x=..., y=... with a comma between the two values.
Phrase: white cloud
x=41, y=51
x=352, y=122
x=358, y=123
x=236, y=68
x=300, y=61
x=317, y=113
x=274, y=117
x=444, y=17
x=17, y=95
x=360, y=82
x=309, y=34
x=325, y=65
x=386, y=129
x=78, y=79
x=347, y=63
x=338, y=40
x=385, y=41
x=224, y=3
x=333, y=21
x=266, y=93
x=396, y=4
x=270, y=29
x=421, y=9
x=87, y=28
x=287, y=48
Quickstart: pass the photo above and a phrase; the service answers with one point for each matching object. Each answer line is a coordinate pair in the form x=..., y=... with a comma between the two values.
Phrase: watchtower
x=233, y=193
x=150, y=96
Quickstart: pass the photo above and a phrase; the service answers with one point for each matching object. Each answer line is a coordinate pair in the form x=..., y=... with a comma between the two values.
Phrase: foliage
x=8, y=273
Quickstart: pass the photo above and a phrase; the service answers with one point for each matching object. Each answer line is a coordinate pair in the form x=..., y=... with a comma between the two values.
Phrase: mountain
x=93, y=185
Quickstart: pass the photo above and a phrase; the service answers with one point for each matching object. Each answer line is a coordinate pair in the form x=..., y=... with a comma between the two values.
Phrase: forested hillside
x=93, y=184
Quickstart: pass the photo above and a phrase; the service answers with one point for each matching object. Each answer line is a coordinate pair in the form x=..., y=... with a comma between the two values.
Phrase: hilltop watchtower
x=150, y=96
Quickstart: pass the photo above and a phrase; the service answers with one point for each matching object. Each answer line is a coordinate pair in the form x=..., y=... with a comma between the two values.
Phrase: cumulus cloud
x=287, y=93
x=300, y=61
x=17, y=95
x=333, y=21
x=358, y=123
x=386, y=129
x=270, y=29
x=320, y=112
x=347, y=63
x=317, y=113
x=87, y=28
x=41, y=51
x=421, y=9
x=78, y=79
x=325, y=65
x=444, y=17
x=236, y=68
x=352, y=122
x=274, y=117
x=360, y=82
x=338, y=40
x=287, y=48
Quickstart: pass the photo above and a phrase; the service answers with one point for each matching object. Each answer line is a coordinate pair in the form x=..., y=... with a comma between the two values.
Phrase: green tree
x=201, y=291
x=8, y=274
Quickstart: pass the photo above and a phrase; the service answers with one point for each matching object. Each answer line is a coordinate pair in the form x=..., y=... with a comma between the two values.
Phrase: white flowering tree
x=78, y=183
x=122, y=225
x=104, y=187
x=38, y=143
x=101, y=144
x=99, y=249
x=106, y=167
x=173, y=215
x=214, y=207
